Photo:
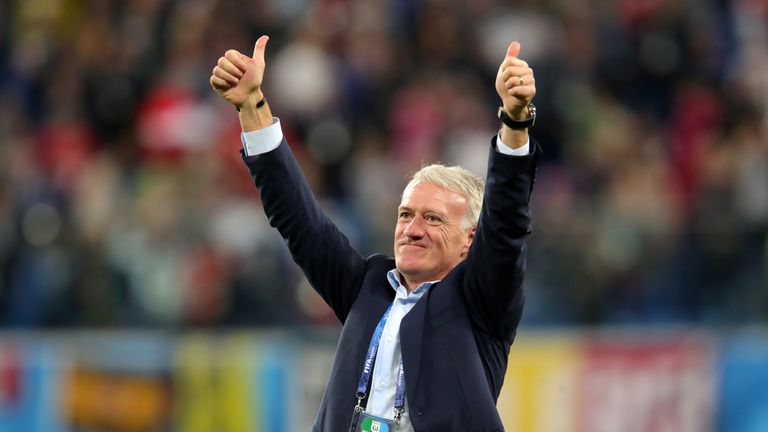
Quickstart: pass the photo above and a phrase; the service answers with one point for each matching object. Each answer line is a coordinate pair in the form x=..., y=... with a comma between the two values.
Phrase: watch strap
x=518, y=124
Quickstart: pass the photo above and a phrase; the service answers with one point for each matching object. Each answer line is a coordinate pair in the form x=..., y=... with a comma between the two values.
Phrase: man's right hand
x=237, y=77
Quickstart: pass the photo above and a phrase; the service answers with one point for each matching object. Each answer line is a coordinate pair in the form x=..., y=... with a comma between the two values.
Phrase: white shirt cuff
x=507, y=150
x=263, y=140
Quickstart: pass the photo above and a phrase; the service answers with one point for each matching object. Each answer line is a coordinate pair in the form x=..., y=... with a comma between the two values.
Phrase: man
x=426, y=336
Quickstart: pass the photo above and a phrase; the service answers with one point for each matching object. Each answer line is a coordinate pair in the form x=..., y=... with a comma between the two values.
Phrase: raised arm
x=496, y=261
x=331, y=265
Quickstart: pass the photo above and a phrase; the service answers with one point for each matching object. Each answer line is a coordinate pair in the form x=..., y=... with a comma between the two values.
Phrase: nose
x=415, y=228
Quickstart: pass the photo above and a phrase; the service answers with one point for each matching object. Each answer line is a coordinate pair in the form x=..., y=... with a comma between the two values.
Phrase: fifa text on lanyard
x=362, y=421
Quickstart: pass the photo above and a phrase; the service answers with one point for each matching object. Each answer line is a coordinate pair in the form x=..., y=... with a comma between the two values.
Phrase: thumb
x=514, y=49
x=259, y=47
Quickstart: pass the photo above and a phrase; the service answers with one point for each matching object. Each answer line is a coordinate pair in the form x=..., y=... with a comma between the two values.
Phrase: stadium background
x=141, y=288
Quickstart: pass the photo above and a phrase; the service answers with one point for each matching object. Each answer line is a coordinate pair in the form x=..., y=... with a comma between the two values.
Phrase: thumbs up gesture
x=237, y=77
x=515, y=83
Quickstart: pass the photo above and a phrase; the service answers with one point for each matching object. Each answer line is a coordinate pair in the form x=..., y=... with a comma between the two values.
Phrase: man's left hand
x=515, y=83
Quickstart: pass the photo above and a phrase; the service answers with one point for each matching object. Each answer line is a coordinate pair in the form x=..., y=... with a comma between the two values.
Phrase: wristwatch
x=518, y=124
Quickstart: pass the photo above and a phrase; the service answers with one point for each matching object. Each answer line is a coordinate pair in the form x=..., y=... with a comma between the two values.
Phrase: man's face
x=429, y=241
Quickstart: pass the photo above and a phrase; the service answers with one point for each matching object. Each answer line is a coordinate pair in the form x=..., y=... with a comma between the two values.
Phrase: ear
x=470, y=236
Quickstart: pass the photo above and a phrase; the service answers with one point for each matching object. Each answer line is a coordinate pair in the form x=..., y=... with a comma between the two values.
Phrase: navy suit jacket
x=456, y=339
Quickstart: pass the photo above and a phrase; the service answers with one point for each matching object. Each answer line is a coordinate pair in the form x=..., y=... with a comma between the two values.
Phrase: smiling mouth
x=412, y=245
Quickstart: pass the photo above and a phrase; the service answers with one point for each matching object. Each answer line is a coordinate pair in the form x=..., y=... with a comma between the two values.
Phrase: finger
x=514, y=82
x=514, y=49
x=236, y=59
x=259, y=47
x=514, y=61
x=523, y=92
x=519, y=81
x=219, y=84
x=515, y=71
x=226, y=76
x=228, y=66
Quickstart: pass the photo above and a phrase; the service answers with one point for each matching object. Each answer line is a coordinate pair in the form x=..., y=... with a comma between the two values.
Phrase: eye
x=433, y=219
x=404, y=216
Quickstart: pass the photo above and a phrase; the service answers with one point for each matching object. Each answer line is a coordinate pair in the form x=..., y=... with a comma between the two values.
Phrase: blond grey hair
x=455, y=179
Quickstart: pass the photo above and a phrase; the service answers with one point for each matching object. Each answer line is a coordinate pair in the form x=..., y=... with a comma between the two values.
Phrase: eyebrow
x=428, y=210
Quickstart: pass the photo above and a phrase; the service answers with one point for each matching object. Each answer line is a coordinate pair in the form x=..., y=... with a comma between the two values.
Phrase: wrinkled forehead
x=420, y=193
x=408, y=190
x=415, y=182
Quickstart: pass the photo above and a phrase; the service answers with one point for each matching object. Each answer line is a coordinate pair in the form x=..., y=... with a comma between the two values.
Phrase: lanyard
x=365, y=377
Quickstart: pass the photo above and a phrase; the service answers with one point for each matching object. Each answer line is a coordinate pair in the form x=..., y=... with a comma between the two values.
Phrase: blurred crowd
x=124, y=202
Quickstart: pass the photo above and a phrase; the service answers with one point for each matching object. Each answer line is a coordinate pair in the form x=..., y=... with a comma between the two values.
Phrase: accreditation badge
x=371, y=423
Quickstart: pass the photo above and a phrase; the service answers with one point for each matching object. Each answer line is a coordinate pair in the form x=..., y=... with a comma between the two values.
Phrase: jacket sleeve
x=496, y=261
x=324, y=254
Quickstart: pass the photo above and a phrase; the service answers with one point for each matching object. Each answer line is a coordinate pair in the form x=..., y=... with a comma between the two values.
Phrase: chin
x=403, y=265
x=410, y=266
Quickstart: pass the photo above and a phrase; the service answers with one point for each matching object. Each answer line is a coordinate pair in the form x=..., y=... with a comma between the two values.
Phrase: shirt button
x=389, y=338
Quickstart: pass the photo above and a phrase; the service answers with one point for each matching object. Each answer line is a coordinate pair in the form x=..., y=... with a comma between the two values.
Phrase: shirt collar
x=393, y=276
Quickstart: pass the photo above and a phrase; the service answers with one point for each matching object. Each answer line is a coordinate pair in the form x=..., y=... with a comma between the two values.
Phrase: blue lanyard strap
x=373, y=347
x=400, y=390
x=365, y=377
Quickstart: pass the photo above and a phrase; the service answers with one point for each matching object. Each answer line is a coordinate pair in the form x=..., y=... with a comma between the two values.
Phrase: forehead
x=428, y=196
